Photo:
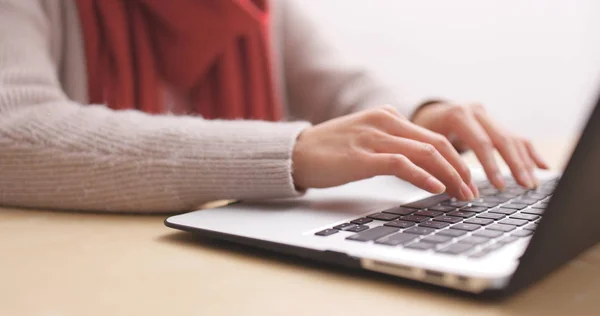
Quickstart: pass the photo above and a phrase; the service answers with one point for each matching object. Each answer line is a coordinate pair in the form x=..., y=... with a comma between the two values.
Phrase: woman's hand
x=379, y=141
x=469, y=127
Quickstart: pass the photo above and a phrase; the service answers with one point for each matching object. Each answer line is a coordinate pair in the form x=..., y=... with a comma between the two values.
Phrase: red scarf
x=216, y=52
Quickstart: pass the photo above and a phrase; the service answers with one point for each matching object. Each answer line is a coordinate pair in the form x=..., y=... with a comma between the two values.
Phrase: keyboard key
x=512, y=221
x=433, y=224
x=431, y=201
x=467, y=227
x=538, y=196
x=373, y=233
x=507, y=196
x=516, y=191
x=356, y=228
x=456, y=204
x=488, y=191
x=522, y=233
x=493, y=199
x=488, y=233
x=474, y=240
x=455, y=249
x=327, y=232
x=448, y=219
x=532, y=226
x=494, y=216
x=505, y=211
x=485, y=204
x=507, y=240
x=396, y=239
x=420, y=246
x=534, y=211
x=483, y=185
x=342, y=226
x=383, y=216
x=527, y=217
x=479, y=221
x=361, y=221
x=502, y=227
x=399, y=210
x=511, y=183
x=478, y=254
x=451, y=232
x=437, y=239
x=515, y=205
x=400, y=224
x=442, y=208
x=463, y=214
x=526, y=200
x=420, y=230
x=476, y=209
x=428, y=213
x=414, y=218
x=493, y=247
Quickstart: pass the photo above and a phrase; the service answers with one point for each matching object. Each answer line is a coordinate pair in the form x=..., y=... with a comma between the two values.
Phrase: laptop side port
x=463, y=283
x=435, y=277
x=393, y=269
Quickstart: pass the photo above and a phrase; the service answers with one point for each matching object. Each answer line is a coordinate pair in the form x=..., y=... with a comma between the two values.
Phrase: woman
x=151, y=105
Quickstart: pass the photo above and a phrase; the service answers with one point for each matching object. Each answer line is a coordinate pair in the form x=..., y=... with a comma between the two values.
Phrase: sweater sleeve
x=323, y=83
x=56, y=153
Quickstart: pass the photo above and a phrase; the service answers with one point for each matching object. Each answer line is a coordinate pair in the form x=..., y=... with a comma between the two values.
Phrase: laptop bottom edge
x=463, y=285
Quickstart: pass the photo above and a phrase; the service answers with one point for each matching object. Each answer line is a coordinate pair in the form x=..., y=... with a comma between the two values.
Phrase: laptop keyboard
x=452, y=227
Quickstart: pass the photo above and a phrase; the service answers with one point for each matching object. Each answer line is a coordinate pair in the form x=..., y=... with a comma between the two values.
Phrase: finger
x=507, y=148
x=427, y=157
x=401, y=167
x=392, y=110
x=464, y=124
x=442, y=144
x=474, y=189
x=535, y=156
x=405, y=129
x=527, y=160
x=458, y=143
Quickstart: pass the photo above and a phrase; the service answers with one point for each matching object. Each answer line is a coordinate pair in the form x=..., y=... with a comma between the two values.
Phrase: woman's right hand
x=379, y=141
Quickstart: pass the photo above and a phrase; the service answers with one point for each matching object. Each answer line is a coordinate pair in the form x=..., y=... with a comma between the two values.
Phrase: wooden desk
x=58, y=263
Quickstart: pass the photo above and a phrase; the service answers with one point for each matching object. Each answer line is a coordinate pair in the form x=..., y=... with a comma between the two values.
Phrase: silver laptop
x=498, y=244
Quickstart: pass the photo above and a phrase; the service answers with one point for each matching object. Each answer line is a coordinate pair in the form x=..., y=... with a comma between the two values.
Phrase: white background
x=533, y=63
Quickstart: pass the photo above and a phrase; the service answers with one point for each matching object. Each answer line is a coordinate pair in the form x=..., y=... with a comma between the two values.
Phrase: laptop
x=497, y=244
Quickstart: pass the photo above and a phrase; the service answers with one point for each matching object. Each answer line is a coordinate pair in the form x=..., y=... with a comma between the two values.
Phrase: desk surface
x=59, y=263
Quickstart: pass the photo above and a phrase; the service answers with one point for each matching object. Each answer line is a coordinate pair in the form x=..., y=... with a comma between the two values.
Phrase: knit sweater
x=58, y=151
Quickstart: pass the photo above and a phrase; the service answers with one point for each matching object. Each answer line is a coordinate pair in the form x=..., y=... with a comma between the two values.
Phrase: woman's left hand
x=470, y=127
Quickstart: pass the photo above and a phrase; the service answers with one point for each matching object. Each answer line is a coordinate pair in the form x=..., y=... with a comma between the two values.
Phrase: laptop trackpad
x=319, y=207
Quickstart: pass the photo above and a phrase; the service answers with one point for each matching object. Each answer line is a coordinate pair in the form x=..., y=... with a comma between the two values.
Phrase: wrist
x=298, y=152
x=424, y=107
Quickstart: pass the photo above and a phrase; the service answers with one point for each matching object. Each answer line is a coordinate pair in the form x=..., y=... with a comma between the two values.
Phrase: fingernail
x=466, y=192
x=545, y=164
x=536, y=181
x=526, y=179
x=434, y=185
x=499, y=179
x=474, y=189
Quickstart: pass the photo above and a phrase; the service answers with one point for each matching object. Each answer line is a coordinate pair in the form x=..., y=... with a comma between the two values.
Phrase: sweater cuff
x=259, y=162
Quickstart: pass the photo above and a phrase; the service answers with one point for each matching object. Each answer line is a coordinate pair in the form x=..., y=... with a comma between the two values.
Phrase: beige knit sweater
x=57, y=151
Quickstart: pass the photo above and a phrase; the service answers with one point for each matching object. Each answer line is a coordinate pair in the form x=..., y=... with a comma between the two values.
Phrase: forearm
x=67, y=156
